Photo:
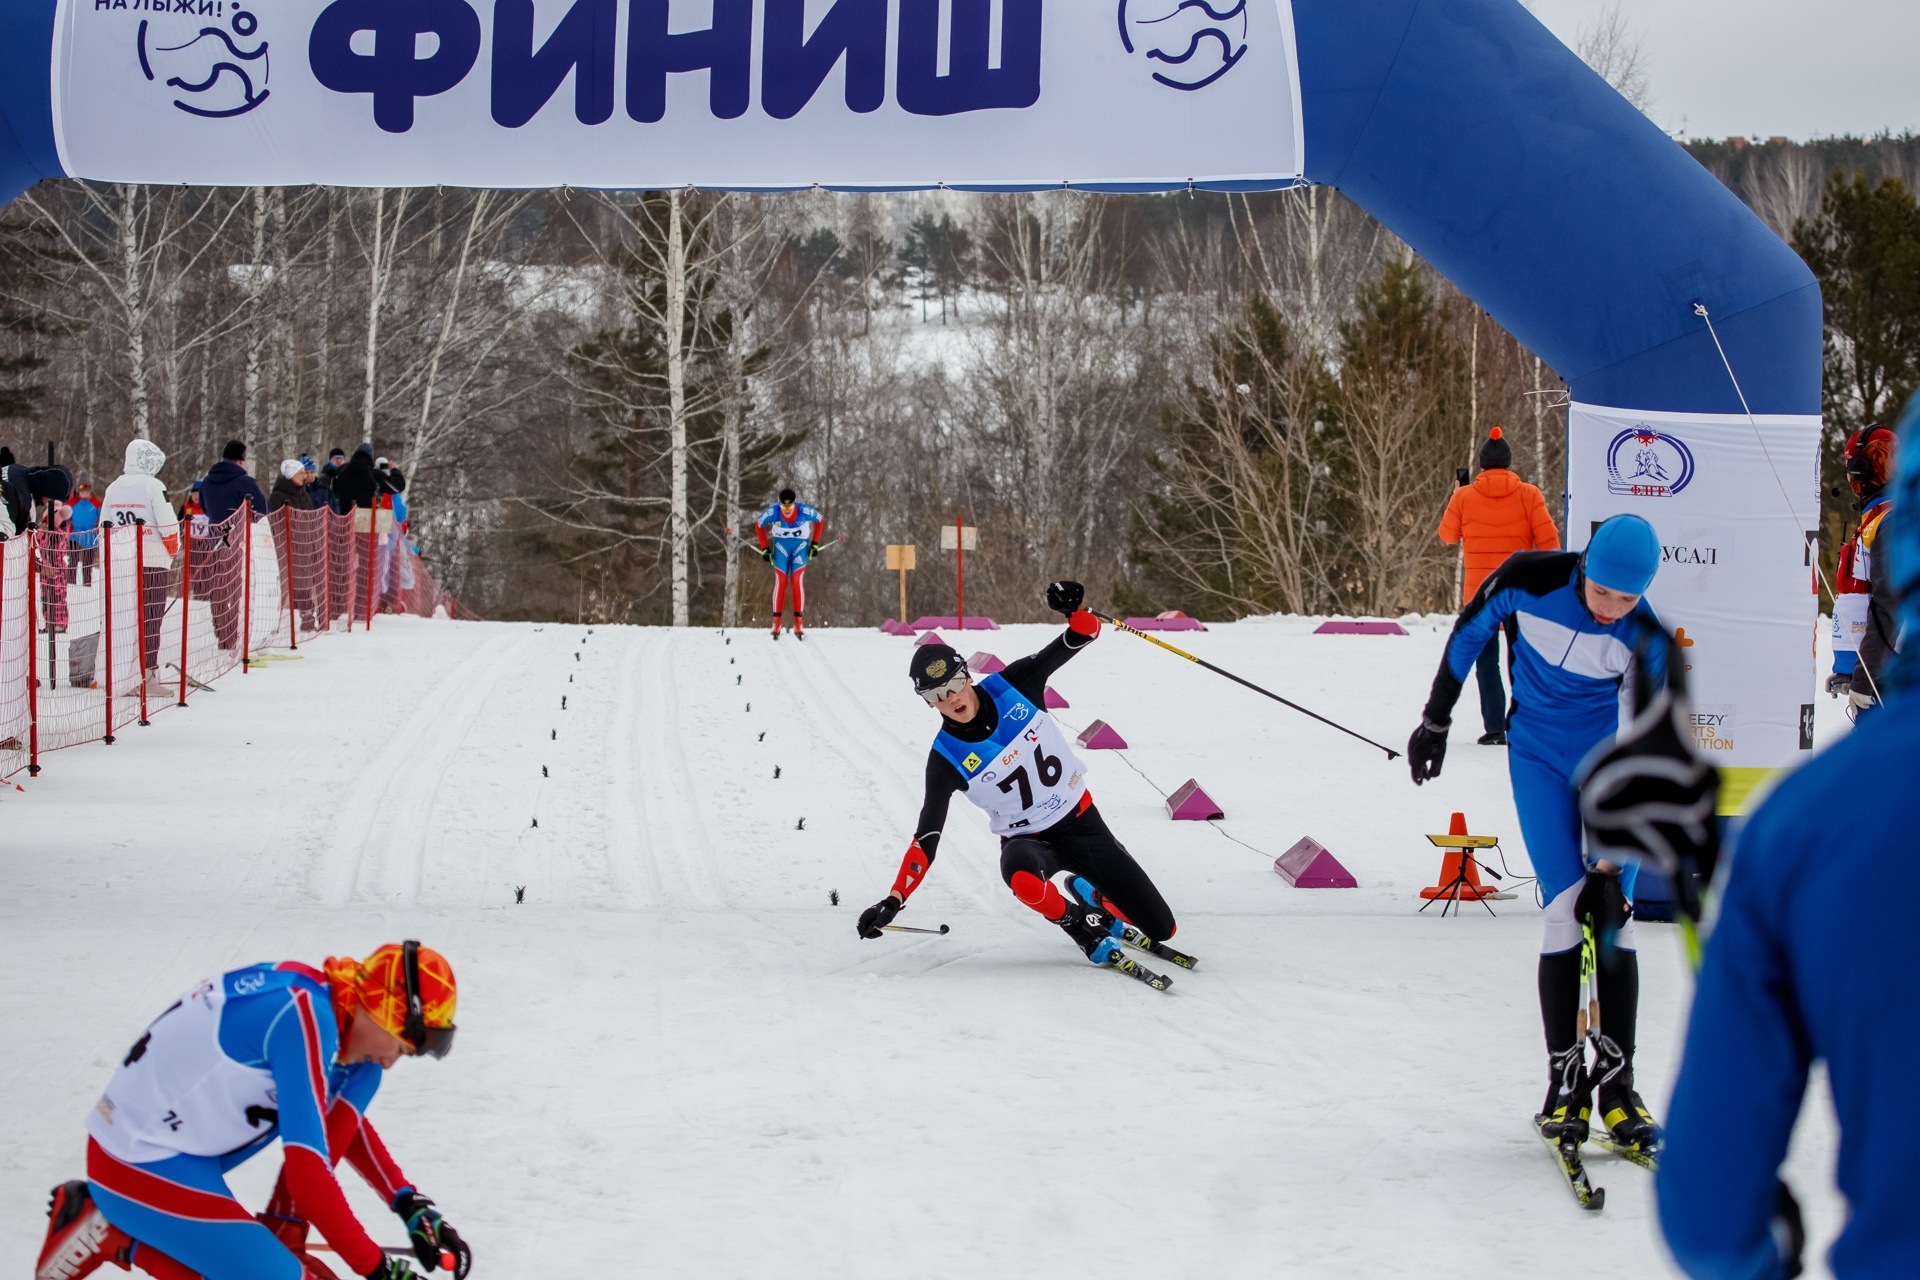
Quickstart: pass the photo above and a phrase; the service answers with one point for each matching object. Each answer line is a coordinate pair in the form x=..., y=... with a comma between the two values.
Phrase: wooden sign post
x=900, y=557
x=960, y=539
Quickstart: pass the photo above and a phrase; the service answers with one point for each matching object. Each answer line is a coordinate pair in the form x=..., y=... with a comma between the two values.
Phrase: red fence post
x=186, y=606
x=33, y=659
x=246, y=587
x=106, y=594
x=326, y=562
x=140, y=612
x=293, y=632
x=373, y=531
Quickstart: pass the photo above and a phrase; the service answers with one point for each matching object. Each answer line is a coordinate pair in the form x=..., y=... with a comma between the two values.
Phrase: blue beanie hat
x=1623, y=555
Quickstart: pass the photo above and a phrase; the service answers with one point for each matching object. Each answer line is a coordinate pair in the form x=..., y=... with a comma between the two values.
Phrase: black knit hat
x=1495, y=454
x=236, y=451
x=933, y=665
x=787, y=497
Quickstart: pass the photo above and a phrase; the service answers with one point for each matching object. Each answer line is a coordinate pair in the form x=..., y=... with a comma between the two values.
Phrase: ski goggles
x=940, y=692
x=432, y=1041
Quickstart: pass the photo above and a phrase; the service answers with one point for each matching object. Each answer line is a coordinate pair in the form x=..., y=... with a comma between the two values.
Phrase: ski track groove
x=689, y=876
x=627, y=843
x=848, y=743
x=395, y=792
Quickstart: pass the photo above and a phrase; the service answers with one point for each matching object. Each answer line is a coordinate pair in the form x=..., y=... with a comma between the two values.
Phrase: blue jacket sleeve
x=1484, y=615
x=1741, y=1079
x=299, y=1045
x=768, y=516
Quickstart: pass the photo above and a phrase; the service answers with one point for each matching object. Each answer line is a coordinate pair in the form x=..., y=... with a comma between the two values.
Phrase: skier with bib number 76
x=998, y=745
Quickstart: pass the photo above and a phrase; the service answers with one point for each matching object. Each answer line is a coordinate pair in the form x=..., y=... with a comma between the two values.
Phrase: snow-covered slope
x=676, y=1058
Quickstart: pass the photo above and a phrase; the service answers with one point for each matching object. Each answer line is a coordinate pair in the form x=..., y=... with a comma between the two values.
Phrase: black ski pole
x=1219, y=671
x=907, y=928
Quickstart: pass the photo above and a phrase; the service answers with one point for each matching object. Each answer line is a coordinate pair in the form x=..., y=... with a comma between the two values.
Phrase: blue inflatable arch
x=1476, y=136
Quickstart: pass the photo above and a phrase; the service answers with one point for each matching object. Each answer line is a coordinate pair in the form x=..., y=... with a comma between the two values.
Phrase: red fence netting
x=102, y=629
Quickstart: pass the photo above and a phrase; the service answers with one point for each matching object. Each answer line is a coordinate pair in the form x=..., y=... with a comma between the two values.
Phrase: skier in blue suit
x=1813, y=932
x=790, y=533
x=1571, y=620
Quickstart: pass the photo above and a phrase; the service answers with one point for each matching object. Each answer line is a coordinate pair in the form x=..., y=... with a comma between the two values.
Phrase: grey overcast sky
x=1799, y=68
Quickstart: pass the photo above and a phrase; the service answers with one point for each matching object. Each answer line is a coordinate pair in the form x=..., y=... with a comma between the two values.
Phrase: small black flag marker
x=742, y=676
x=576, y=655
x=536, y=822
x=749, y=706
x=729, y=661
x=569, y=677
x=763, y=735
x=543, y=771
x=776, y=771
x=563, y=702
x=556, y=736
x=833, y=896
x=800, y=825
x=520, y=893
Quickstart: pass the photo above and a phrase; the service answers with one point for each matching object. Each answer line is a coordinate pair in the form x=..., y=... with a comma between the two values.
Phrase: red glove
x=1084, y=623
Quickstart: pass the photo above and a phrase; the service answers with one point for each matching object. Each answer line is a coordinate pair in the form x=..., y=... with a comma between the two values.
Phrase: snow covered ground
x=676, y=1059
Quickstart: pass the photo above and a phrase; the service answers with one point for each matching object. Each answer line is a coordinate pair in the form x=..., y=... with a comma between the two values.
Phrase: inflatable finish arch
x=1463, y=125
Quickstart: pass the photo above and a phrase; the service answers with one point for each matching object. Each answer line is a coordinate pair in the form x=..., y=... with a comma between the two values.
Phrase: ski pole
x=1219, y=671
x=907, y=928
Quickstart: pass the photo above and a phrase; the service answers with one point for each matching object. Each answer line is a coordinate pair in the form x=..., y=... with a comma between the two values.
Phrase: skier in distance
x=789, y=537
x=268, y=1051
x=1571, y=619
x=998, y=745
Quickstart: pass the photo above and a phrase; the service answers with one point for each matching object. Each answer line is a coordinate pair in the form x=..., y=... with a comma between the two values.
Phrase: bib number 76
x=1049, y=768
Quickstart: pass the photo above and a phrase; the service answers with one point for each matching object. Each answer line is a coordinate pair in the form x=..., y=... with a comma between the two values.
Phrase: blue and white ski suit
x=1568, y=675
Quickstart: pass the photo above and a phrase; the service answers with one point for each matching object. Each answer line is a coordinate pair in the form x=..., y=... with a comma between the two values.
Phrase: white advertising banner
x=667, y=93
x=1736, y=580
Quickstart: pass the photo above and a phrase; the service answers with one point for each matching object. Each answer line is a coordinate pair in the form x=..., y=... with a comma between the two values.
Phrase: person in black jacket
x=358, y=484
x=226, y=489
x=322, y=484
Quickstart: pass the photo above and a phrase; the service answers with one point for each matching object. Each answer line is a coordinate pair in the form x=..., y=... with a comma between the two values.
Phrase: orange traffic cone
x=1459, y=872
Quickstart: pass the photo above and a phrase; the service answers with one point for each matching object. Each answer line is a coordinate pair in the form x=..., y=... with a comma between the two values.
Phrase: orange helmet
x=1869, y=456
x=409, y=991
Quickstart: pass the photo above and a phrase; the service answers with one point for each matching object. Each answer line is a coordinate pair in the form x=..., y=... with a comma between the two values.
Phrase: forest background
x=1221, y=404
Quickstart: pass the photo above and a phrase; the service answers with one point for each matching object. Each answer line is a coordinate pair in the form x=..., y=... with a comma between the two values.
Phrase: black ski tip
x=1597, y=1201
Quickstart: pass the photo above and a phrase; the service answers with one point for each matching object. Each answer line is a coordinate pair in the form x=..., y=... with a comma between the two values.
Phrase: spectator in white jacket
x=138, y=498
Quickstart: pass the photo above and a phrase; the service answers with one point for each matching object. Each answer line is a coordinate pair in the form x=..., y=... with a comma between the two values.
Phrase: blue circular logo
x=1644, y=463
x=1191, y=43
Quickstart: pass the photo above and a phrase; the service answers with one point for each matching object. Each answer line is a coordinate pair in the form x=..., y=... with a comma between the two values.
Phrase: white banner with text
x=1735, y=502
x=669, y=93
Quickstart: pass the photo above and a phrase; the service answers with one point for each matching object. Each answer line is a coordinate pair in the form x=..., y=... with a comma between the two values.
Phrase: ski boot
x=1092, y=929
x=1564, y=1115
x=799, y=629
x=79, y=1237
x=1628, y=1121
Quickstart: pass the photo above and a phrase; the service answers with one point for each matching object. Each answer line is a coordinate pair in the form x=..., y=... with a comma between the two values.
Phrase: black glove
x=766, y=553
x=879, y=916
x=1649, y=796
x=1839, y=684
x=813, y=548
x=434, y=1242
x=1065, y=597
x=392, y=1269
x=1602, y=898
x=1426, y=749
x=1789, y=1232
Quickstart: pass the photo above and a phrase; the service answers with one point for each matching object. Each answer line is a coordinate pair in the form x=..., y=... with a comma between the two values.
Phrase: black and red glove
x=434, y=1240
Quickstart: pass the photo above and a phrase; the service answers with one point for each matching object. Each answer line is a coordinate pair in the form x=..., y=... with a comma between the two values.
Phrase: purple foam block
x=1349, y=628
x=975, y=622
x=892, y=628
x=1181, y=623
x=1189, y=803
x=1100, y=736
x=931, y=637
x=1309, y=865
x=1054, y=701
x=985, y=664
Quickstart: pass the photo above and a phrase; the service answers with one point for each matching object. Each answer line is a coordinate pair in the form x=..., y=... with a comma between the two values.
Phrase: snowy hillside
x=677, y=1060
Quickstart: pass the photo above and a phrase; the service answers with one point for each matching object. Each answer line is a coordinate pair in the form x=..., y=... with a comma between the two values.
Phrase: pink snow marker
x=1054, y=701
x=892, y=628
x=932, y=637
x=1100, y=736
x=975, y=622
x=1309, y=865
x=1189, y=803
x=1359, y=628
x=985, y=664
x=1172, y=620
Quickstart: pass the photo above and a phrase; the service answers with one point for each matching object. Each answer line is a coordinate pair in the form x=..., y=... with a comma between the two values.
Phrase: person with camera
x=269, y=1051
x=998, y=746
x=1571, y=620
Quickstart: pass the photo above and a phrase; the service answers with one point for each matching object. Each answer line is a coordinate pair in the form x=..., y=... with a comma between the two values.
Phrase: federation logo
x=1644, y=463
x=213, y=74
x=1019, y=711
x=1191, y=43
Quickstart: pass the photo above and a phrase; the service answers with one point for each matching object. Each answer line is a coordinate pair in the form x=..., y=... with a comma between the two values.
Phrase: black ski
x=1566, y=1157
x=1134, y=938
x=1117, y=959
x=1646, y=1158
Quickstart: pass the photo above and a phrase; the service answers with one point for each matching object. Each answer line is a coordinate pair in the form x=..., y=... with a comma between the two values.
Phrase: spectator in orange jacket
x=1497, y=515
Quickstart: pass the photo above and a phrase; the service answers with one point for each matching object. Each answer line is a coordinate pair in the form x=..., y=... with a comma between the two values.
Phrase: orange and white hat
x=408, y=989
